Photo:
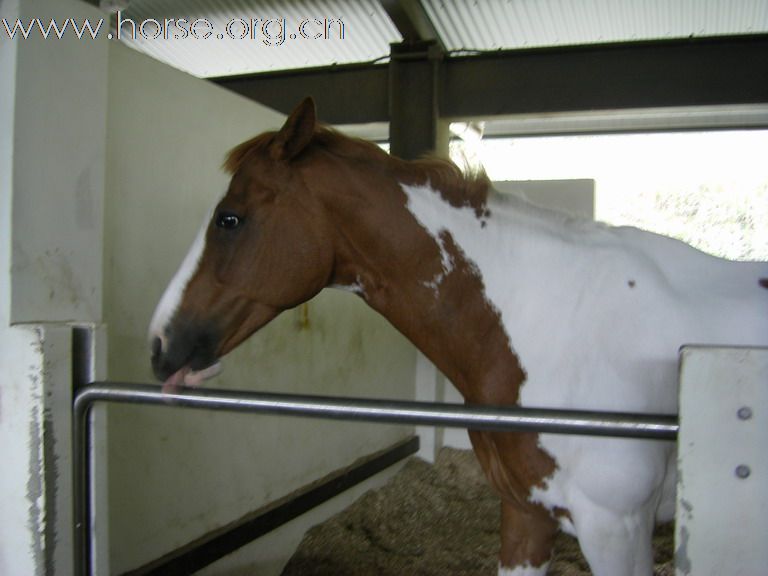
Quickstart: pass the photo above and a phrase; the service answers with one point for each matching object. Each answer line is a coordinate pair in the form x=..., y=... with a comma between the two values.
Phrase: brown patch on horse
x=763, y=282
x=489, y=372
x=514, y=463
x=527, y=536
x=459, y=300
x=456, y=327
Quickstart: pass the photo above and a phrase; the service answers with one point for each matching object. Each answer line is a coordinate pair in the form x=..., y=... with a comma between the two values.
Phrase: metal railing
x=491, y=418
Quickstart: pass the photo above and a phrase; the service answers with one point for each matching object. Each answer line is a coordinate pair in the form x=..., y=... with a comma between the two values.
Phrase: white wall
x=722, y=495
x=9, y=10
x=16, y=546
x=52, y=132
x=21, y=513
x=175, y=475
x=58, y=167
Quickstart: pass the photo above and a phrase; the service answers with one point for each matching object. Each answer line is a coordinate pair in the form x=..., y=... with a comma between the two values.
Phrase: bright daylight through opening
x=709, y=189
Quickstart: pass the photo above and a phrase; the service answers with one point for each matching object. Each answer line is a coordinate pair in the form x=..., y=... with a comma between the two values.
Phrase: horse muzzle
x=185, y=355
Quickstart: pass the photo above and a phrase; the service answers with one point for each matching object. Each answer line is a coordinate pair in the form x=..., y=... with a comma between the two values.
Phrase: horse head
x=264, y=248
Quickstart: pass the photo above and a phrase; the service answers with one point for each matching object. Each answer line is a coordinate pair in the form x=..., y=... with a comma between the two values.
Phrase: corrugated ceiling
x=508, y=24
x=290, y=34
x=279, y=35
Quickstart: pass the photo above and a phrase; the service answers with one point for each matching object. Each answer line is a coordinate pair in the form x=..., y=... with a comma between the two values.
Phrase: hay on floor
x=430, y=520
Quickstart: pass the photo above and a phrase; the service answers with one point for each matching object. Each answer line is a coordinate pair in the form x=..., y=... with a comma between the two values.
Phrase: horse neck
x=423, y=284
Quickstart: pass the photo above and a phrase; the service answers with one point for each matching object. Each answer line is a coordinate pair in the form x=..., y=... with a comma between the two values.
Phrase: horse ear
x=296, y=133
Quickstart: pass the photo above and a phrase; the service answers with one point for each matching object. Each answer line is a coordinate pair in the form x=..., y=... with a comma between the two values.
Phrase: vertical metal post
x=82, y=487
x=415, y=127
x=83, y=372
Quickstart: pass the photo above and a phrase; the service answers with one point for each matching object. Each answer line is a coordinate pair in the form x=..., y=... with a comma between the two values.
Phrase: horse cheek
x=268, y=275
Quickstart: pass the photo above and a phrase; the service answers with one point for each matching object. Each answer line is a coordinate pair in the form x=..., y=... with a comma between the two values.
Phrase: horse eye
x=227, y=220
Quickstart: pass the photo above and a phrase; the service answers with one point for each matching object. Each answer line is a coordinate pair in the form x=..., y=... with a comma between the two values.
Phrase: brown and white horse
x=516, y=305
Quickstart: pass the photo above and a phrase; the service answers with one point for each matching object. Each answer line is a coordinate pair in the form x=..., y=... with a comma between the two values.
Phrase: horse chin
x=186, y=377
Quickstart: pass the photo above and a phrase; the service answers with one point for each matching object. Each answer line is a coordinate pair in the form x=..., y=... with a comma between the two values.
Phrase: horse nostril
x=157, y=346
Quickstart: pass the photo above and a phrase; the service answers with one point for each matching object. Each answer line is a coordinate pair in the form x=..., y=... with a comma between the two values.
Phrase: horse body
x=515, y=305
x=596, y=315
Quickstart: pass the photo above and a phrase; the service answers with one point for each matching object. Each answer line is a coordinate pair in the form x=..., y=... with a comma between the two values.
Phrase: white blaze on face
x=171, y=298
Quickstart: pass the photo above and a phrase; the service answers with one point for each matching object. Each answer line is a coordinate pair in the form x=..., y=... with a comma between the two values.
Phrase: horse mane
x=460, y=187
x=238, y=155
x=467, y=187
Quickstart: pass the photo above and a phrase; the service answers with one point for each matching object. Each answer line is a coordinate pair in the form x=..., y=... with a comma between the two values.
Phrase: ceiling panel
x=275, y=39
x=510, y=24
x=277, y=35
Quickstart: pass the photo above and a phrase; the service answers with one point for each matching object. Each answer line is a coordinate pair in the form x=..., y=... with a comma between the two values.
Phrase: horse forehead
x=247, y=184
x=260, y=169
x=240, y=184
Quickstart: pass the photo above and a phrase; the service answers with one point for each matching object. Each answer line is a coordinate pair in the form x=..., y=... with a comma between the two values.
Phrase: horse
x=515, y=304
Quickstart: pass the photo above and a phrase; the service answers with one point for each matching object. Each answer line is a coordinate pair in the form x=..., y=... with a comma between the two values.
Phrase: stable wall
x=52, y=140
x=727, y=387
x=58, y=171
x=176, y=475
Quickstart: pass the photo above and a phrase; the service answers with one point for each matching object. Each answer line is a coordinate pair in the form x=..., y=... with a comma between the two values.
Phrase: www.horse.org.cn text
x=268, y=31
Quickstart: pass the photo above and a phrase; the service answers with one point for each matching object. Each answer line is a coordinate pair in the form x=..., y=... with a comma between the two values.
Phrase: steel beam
x=349, y=94
x=638, y=75
x=670, y=73
x=475, y=417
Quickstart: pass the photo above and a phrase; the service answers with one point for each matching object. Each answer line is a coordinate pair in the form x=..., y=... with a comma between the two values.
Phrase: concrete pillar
x=52, y=141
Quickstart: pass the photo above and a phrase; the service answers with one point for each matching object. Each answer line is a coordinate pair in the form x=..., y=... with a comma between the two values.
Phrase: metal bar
x=491, y=418
x=81, y=465
x=692, y=72
x=500, y=419
x=344, y=93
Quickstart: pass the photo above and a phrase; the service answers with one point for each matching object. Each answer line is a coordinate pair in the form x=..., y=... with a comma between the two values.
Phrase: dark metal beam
x=641, y=75
x=721, y=71
x=349, y=94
